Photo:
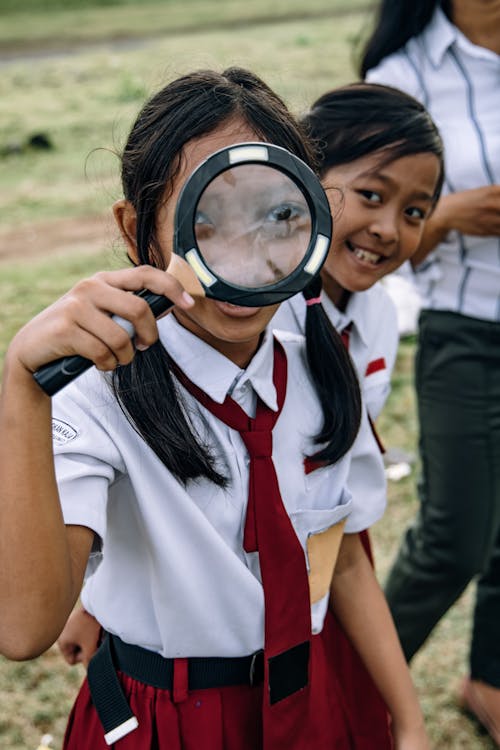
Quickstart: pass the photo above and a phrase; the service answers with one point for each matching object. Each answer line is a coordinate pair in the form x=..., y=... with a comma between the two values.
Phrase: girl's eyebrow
x=375, y=174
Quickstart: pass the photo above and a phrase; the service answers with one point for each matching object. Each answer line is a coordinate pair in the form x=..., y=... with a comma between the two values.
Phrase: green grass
x=87, y=101
x=91, y=22
x=25, y=290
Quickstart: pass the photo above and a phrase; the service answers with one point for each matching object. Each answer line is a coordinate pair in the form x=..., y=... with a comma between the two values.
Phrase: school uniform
x=170, y=572
x=370, y=332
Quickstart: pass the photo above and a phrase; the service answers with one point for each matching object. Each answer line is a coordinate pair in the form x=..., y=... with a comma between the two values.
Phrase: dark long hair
x=328, y=357
x=354, y=121
x=397, y=22
x=187, y=108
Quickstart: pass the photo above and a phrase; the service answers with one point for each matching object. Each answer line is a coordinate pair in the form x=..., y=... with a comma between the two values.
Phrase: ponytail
x=335, y=380
x=149, y=398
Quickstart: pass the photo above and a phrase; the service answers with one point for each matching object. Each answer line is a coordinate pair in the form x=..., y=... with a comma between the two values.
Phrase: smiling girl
x=381, y=163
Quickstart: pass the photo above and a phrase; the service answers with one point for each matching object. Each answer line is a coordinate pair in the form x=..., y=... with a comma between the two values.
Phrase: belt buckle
x=253, y=672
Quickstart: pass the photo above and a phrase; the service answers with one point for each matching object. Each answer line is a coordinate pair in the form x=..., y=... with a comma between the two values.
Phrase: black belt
x=152, y=669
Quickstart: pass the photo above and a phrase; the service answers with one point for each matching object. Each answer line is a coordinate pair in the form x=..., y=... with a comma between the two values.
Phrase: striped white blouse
x=459, y=83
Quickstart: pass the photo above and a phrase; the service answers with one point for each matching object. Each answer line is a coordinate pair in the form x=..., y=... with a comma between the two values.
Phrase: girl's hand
x=79, y=640
x=414, y=738
x=80, y=322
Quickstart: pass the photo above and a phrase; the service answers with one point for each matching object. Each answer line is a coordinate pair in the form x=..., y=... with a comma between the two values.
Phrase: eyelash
x=368, y=193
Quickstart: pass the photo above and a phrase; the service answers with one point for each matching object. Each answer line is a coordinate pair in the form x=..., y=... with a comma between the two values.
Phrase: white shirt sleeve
x=366, y=480
x=383, y=348
x=397, y=70
x=85, y=457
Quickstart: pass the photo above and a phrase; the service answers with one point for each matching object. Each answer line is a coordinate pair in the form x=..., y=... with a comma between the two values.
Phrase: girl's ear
x=126, y=218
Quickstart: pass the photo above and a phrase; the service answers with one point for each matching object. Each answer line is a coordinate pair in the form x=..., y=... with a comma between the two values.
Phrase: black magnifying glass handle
x=55, y=375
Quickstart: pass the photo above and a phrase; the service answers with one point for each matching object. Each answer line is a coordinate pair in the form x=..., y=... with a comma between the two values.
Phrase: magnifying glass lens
x=252, y=225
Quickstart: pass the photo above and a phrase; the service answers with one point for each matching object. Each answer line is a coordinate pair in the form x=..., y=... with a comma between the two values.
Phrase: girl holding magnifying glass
x=184, y=489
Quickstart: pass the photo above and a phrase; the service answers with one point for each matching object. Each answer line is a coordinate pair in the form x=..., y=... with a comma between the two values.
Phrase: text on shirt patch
x=62, y=432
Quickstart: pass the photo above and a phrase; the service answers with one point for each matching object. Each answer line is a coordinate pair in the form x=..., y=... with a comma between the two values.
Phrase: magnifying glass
x=254, y=224
x=252, y=227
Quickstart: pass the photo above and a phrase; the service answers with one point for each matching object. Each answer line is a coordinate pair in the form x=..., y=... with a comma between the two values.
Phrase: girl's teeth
x=366, y=255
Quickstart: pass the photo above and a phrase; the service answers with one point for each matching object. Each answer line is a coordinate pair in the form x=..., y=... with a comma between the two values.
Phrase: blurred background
x=73, y=74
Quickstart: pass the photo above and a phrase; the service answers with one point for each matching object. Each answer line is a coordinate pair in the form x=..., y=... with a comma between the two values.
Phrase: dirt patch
x=87, y=234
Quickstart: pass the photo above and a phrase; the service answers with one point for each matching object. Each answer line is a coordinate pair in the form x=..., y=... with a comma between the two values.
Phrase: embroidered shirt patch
x=62, y=432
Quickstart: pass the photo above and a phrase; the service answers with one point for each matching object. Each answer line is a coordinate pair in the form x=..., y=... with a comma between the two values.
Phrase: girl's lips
x=364, y=255
x=236, y=311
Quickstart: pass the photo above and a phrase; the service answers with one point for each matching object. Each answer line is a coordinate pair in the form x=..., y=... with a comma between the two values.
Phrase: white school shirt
x=373, y=343
x=459, y=83
x=371, y=318
x=173, y=576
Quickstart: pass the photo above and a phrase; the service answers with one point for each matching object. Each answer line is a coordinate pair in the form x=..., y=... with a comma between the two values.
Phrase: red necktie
x=268, y=529
x=345, y=335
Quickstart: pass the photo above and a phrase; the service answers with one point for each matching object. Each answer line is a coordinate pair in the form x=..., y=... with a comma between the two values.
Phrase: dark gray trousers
x=456, y=535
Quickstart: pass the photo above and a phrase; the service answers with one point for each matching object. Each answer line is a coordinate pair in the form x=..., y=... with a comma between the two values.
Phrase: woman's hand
x=79, y=640
x=475, y=212
x=80, y=322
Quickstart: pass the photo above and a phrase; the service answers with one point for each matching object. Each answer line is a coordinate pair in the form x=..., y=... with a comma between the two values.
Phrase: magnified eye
x=204, y=226
x=282, y=220
x=282, y=213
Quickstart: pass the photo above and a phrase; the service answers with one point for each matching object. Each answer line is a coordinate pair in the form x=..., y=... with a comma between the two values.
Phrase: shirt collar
x=214, y=373
x=355, y=315
x=441, y=34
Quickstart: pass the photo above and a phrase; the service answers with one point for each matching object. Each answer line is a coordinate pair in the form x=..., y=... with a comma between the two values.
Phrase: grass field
x=77, y=72
x=84, y=102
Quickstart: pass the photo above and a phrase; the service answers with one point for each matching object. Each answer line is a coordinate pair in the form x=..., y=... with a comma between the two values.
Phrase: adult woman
x=447, y=55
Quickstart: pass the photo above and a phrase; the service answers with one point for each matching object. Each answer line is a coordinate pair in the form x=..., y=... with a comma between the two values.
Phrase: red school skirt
x=348, y=714
x=364, y=710
x=227, y=718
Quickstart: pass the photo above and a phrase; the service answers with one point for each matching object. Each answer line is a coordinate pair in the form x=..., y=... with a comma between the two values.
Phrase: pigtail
x=149, y=398
x=335, y=380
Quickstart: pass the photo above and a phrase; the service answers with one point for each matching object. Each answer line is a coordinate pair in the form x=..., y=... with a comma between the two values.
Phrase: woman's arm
x=361, y=608
x=475, y=212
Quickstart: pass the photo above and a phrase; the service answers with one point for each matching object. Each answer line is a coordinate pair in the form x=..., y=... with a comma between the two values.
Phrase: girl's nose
x=385, y=227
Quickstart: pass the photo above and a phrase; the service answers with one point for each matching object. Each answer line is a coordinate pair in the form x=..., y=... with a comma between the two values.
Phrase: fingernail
x=187, y=298
x=142, y=347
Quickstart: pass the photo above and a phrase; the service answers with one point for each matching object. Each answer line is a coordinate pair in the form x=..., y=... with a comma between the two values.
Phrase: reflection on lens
x=252, y=225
